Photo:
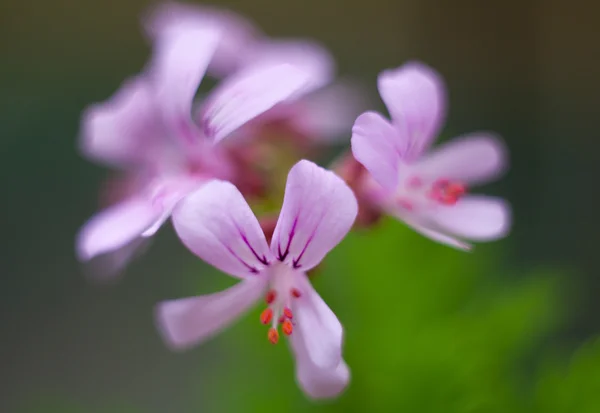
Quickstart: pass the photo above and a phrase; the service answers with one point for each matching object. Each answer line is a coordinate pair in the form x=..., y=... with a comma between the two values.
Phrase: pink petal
x=310, y=57
x=477, y=218
x=181, y=57
x=376, y=145
x=115, y=227
x=216, y=223
x=237, y=33
x=106, y=267
x=188, y=321
x=415, y=97
x=322, y=383
x=437, y=236
x=318, y=211
x=318, y=335
x=248, y=94
x=471, y=159
x=123, y=129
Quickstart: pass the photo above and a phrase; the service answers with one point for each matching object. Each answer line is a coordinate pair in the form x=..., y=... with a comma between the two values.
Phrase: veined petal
x=237, y=33
x=188, y=321
x=472, y=159
x=248, y=94
x=318, y=334
x=377, y=146
x=477, y=218
x=123, y=129
x=309, y=56
x=318, y=211
x=115, y=227
x=216, y=223
x=415, y=97
x=181, y=57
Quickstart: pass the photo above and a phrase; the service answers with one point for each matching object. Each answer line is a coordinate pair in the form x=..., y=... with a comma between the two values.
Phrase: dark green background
x=429, y=329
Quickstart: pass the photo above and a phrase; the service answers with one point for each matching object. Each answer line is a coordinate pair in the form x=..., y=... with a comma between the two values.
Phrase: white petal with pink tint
x=123, y=129
x=115, y=227
x=248, y=94
x=182, y=55
x=216, y=223
x=318, y=211
x=317, y=329
x=438, y=236
x=322, y=383
x=471, y=159
x=415, y=97
x=237, y=33
x=189, y=321
x=377, y=146
x=477, y=218
x=310, y=57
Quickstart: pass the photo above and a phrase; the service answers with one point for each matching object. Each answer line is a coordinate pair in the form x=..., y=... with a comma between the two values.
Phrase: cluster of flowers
x=199, y=160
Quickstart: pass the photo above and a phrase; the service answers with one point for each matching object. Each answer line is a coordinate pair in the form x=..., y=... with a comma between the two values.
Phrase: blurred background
x=509, y=328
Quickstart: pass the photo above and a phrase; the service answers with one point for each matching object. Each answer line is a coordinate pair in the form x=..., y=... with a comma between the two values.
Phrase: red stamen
x=287, y=327
x=270, y=297
x=281, y=319
x=273, y=336
x=295, y=293
x=288, y=313
x=266, y=316
x=403, y=203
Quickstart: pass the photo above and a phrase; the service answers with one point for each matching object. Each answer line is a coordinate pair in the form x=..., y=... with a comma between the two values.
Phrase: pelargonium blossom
x=319, y=115
x=428, y=189
x=217, y=225
x=148, y=129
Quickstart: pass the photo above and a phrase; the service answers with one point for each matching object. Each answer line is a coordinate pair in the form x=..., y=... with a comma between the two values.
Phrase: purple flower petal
x=321, y=383
x=415, y=97
x=377, y=146
x=318, y=211
x=438, y=236
x=181, y=57
x=216, y=223
x=115, y=227
x=248, y=94
x=237, y=33
x=476, y=218
x=124, y=129
x=472, y=159
x=310, y=57
x=318, y=334
x=188, y=321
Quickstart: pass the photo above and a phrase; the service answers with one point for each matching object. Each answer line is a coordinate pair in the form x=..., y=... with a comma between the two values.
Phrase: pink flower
x=147, y=129
x=428, y=190
x=322, y=110
x=216, y=223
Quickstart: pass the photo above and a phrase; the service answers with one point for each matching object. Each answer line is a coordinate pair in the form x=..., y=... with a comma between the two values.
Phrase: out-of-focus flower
x=428, y=190
x=148, y=129
x=216, y=223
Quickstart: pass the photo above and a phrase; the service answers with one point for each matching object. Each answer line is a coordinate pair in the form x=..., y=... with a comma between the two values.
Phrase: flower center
x=416, y=193
x=279, y=300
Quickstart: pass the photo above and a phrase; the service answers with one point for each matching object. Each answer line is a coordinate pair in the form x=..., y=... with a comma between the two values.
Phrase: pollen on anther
x=273, y=336
x=295, y=293
x=266, y=316
x=288, y=313
x=270, y=297
x=287, y=327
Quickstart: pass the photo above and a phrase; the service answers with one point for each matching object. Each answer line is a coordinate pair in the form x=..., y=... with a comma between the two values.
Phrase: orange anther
x=266, y=316
x=288, y=313
x=295, y=293
x=287, y=327
x=273, y=336
x=270, y=297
